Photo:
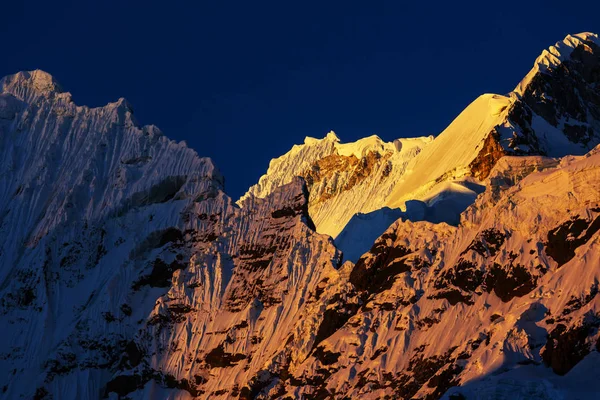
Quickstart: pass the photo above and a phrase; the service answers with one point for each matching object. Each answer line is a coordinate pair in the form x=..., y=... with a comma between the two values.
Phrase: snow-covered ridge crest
x=361, y=147
x=28, y=85
x=343, y=178
x=556, y=54
x=284, y=168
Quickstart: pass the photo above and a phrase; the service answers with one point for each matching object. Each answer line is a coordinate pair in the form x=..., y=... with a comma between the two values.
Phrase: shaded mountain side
x=445, y=206
x=124, y=265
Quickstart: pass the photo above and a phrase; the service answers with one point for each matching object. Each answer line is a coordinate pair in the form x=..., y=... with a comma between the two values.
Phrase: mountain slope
x=513, y=287
x=553, y=111
x=125, y=266
x=343, y=178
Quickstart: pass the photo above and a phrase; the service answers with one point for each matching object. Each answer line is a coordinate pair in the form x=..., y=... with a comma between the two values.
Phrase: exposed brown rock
x=491, y=152
x=330, y=168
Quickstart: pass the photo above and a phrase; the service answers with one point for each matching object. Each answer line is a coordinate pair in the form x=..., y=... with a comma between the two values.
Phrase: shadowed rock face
x=568, y=346
x=510, y=281
x=506, y=281
x=568, y=236
x=565, y=96
x=570, y=91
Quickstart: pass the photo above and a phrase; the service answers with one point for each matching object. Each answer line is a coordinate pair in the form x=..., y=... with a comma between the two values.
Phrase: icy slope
x=451, y=153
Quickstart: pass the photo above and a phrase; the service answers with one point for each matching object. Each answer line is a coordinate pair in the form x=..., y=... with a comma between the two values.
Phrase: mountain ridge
x=526, y=121
x=133, y=275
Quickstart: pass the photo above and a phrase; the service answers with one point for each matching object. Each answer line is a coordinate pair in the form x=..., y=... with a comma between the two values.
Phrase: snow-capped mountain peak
x=553, y=57
x=554, y=111
x=28, y=85
x=343, y=178
x=127, y=272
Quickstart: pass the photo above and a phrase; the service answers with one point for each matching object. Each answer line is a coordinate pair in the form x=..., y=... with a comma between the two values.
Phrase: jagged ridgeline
x=358, y=189
x=461, y=266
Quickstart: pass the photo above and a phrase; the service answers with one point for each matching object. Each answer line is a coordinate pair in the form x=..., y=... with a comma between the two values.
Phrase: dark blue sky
x=243, y=81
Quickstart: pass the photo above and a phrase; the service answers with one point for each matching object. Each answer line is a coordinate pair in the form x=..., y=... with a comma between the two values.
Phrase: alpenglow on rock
x=127, y=272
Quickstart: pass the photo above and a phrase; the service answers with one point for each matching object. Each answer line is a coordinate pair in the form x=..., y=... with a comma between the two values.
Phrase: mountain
x=510, y=289
x=127, y=272
x=553, y=111
x=125, y=263
x=343, y=179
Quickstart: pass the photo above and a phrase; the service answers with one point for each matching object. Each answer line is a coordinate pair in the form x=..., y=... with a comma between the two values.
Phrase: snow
x=299, y=158
x=361, y=147
x=555, y=55
x=553, y=139
x=362, y=230
x=333, y=213
x=423, y=167
x=534, y=382
x=444, y=204
x=453, y=150
x=410, y=144
x=30, y=85
x=123, y=258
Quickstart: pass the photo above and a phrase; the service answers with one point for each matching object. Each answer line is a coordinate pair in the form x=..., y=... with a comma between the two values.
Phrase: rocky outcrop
x=558, y=111
x=487, y=158
x=335, y=174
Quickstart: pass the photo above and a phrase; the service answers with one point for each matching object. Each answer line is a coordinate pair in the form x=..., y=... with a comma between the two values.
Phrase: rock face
x=127, y=272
